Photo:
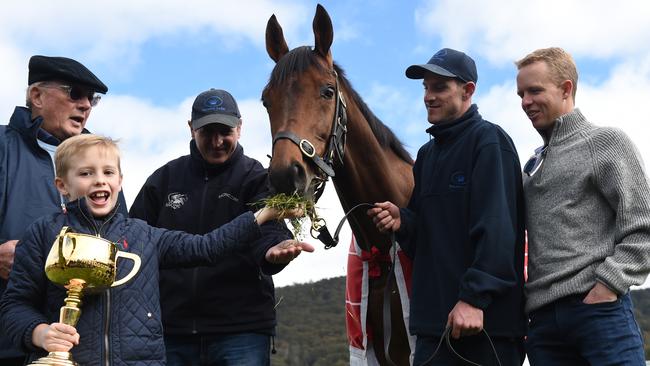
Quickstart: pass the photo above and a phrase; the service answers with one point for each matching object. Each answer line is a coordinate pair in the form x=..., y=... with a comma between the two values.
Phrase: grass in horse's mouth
x=284, y=202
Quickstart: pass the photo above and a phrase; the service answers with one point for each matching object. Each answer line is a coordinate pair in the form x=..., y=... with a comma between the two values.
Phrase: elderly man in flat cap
x=60, y=97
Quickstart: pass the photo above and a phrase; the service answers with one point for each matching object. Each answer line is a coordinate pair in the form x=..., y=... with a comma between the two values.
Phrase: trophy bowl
x=82, y=263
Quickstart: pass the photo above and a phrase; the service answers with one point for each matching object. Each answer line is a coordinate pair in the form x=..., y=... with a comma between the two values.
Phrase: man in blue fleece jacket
x=463, y=227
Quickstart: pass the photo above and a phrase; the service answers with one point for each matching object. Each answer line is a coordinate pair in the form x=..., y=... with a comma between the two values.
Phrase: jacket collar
x=79, y=208
x=21, y=120
x=451, y=130
x=208, y=169
x=566, y=126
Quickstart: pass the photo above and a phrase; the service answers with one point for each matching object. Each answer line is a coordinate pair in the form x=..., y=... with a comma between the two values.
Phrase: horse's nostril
x=290, y=179
x=297, y=170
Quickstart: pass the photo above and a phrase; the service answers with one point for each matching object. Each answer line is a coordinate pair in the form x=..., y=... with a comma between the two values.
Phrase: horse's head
x=306, y=111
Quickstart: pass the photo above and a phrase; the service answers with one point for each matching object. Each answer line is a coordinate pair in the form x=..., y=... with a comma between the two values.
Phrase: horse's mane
x=300, y=59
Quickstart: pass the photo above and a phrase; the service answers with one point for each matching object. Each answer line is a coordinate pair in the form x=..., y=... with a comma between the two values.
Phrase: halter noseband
x=335, y=142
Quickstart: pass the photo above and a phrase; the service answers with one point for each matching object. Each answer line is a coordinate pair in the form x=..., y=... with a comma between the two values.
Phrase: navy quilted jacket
x=120, y=326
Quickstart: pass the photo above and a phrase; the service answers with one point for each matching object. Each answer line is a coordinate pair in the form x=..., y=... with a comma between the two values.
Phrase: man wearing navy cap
x=222, y=315
x=60, y=97
x=463, y=227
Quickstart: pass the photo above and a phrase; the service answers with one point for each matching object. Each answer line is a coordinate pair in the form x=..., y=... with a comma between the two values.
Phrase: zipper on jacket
x=107, y=317
x=107, y=351
x=92, y=222
x=109, y=218
x=195, y=272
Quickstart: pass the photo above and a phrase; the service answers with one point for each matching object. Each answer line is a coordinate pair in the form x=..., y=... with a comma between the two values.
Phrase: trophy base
x=56, y=359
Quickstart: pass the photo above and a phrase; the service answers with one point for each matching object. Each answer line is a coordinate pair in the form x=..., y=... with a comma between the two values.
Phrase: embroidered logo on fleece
x=176, y=200
x=457, y=180
x=228, y=196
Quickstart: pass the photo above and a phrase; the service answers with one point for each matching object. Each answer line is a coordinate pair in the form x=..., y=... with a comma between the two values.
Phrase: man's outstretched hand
x=286, y=251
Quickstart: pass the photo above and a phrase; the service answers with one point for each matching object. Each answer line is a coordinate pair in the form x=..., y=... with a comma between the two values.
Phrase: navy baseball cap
x=215, y=106
x=446, y=62
x=46, y=68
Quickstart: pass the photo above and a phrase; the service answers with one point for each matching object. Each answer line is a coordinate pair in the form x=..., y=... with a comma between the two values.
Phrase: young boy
x=120, y=326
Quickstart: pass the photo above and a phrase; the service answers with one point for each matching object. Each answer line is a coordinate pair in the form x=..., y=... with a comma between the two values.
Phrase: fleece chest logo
x=457, y=180
x=176, y=200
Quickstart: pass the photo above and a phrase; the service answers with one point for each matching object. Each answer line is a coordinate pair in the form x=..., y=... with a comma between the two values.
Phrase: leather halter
x=335, y=143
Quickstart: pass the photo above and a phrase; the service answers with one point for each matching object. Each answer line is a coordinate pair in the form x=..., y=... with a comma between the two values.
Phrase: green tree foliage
x=311, y=323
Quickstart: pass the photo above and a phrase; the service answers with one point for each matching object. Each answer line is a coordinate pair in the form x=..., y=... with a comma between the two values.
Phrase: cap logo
x=214, y=103
x=440, y=55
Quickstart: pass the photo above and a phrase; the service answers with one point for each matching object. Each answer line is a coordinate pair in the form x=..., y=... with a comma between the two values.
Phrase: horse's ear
x=323, y=32
x=276, y=46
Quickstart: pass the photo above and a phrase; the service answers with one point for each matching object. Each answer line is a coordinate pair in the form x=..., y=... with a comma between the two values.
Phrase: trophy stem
x=69, y=314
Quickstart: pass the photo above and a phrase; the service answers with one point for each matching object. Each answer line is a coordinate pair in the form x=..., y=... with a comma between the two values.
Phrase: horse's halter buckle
x=307, y=148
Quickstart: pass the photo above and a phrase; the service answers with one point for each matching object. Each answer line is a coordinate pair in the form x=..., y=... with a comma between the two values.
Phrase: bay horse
x=321, y=127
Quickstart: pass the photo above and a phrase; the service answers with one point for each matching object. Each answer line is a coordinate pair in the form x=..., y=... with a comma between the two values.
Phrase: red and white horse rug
x=362, y=266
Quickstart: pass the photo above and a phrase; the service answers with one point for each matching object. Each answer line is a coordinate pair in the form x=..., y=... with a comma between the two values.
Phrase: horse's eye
x=265, y=104
x=327, y=92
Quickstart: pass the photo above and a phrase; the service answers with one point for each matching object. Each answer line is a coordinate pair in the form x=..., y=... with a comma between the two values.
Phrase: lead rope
x=386, y=316
x=447, y=340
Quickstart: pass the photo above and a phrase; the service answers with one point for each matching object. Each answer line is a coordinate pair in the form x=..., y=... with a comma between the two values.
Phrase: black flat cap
x=46, y=68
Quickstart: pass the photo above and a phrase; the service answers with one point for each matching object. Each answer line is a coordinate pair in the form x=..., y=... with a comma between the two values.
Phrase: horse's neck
x=370, y=174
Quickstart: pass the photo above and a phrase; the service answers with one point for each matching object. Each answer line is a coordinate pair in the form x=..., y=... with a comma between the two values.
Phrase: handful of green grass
x=284, y=202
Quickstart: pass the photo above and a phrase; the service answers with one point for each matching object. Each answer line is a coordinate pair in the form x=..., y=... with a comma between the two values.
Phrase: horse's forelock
x=296, y=61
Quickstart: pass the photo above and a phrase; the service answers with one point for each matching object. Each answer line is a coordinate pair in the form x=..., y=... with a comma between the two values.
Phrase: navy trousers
x=241, y=349
x=572, y=333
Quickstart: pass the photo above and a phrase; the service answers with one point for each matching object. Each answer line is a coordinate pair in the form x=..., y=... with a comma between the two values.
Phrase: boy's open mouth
x=99, y=197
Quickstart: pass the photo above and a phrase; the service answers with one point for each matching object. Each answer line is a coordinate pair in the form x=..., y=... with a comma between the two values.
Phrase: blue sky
x=156, y=56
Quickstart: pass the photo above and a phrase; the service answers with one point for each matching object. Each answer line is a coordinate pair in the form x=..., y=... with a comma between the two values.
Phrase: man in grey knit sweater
x=588, y=221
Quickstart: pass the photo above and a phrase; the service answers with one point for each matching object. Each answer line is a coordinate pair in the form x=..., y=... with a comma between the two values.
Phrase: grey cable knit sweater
x=587, y=213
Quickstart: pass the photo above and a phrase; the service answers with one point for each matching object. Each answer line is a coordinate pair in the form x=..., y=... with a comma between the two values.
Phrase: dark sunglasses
x=535, y=161
x=76, y=92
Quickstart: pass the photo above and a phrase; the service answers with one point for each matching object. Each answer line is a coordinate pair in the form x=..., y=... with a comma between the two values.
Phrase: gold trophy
x=82, y=264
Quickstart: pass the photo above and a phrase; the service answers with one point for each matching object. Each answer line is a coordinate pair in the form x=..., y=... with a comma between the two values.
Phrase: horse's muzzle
x=289, y=179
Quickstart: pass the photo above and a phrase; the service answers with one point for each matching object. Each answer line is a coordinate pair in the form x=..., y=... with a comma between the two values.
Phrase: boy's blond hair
x=559, y=62
x=70, y=148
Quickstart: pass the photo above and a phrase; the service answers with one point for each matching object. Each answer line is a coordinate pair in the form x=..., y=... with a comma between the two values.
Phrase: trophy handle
x=61, y=238
x=136, y=266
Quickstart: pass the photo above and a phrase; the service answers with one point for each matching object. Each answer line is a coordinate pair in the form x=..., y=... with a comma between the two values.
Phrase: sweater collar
x=450, y=130
x=208, y=169
x=566, y=126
